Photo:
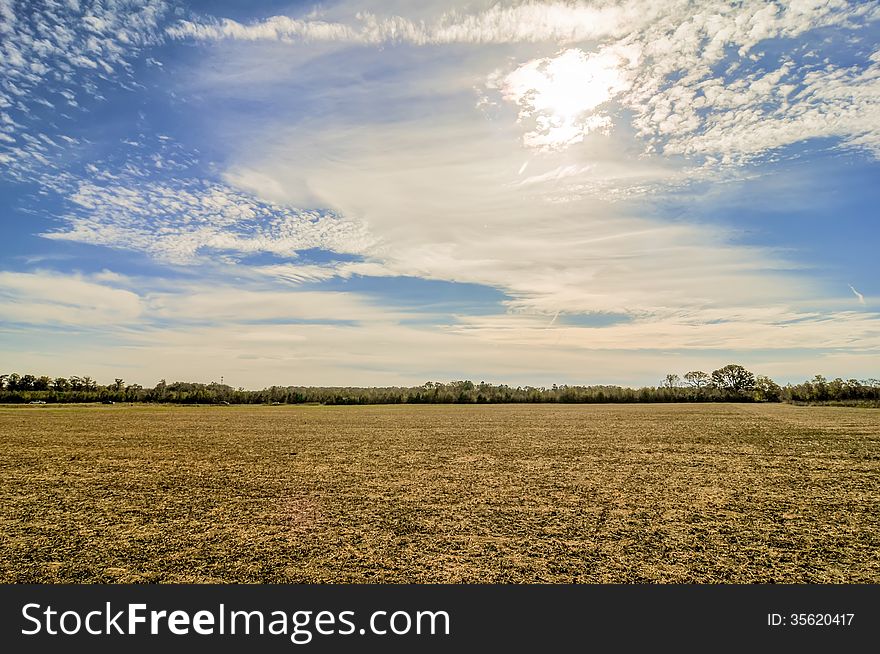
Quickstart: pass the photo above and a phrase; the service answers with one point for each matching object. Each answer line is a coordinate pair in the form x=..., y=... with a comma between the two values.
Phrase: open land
x=664, y=493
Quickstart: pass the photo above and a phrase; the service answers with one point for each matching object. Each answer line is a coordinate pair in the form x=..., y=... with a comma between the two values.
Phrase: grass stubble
x=715, y=493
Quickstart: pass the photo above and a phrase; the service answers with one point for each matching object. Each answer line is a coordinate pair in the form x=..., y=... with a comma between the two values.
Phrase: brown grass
x=512, y=493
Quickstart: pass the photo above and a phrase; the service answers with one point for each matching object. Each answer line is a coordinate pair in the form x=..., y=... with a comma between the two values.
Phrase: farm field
x=666, y=493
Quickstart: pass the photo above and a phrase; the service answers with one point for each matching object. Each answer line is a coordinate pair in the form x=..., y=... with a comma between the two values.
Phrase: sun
x=562, y=95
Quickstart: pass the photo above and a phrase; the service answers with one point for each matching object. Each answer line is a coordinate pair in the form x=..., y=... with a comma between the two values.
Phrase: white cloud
x=445, y=201
x=49, y=49
x=679, y=102
x=759, y=112
x=296, y=273
x=183, y=221
x=251, y=303
x=775, y=328
x=681, y=28
x=556, y=22
x=49, y=298
x=683, y=105
x=256, y=334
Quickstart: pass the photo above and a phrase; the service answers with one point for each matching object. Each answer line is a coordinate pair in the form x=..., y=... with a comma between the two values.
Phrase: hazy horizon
x=363, y=193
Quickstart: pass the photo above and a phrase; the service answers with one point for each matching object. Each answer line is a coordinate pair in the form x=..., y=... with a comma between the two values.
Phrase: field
x=506, y=493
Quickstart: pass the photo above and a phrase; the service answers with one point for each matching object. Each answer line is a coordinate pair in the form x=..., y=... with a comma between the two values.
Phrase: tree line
x=731, y=383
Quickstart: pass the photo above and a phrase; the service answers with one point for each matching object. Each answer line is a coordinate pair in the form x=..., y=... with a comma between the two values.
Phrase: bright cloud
x=586, y=253
x=561, y=94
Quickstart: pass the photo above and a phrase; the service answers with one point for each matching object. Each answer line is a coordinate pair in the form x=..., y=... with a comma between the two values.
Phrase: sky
x=387, y=193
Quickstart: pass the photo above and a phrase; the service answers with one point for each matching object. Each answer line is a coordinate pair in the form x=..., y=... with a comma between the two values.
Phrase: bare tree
x=671, y=381
x=697, y=379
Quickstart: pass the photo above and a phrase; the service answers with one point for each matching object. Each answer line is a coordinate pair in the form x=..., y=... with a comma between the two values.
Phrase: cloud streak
x=530, y=22
x=859, y=296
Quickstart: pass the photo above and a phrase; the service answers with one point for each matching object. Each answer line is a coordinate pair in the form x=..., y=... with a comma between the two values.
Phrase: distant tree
x=697, y=379
x=837, y=389
x=671, y=381
x=767, y=390
x=733, y=378
x=134, y=393
x=820, y=388
x=732, y=382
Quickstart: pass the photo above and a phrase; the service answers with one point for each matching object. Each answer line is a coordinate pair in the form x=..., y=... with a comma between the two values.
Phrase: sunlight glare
x=562, y=94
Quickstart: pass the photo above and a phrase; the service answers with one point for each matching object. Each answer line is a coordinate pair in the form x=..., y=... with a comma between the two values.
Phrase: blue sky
x=374, y=193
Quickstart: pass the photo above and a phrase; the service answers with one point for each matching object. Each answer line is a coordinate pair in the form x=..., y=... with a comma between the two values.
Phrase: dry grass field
x=508, y=493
